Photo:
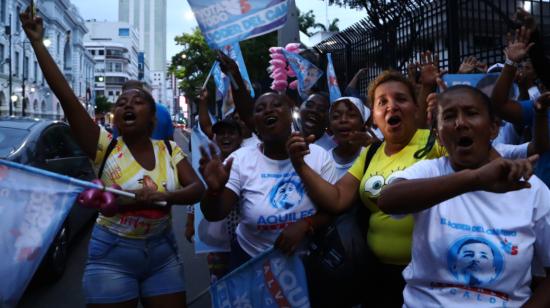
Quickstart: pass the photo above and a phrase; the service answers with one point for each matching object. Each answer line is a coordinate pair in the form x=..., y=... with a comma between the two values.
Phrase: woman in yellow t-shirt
x=132, y=254
x=394, y=110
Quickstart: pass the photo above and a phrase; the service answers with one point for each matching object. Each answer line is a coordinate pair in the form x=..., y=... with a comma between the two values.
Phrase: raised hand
x=502, y=175
x=297, y=147
x=227, y=65
x=468, y=66
x=432, y=101
x=33, y=27
x=429, y=69
x=214, y=172
x=518, y=45
x=524, y=18
x=412, y=69
x=203, y=96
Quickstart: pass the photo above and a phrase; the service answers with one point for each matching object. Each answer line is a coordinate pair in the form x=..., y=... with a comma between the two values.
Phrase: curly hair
x=387, y=76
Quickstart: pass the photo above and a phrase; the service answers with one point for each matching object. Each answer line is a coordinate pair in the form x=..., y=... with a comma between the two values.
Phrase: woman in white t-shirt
x=261, y=181
x=480, y=220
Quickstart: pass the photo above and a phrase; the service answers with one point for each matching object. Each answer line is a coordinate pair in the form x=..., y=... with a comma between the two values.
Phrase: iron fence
x=453, y=29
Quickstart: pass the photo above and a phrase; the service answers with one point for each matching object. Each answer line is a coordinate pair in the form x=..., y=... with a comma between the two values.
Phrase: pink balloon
x=292, y=46
x=279, y=85
x=277, y=56
x=108, y=204
x=293, y=85
x=276, y=49
x=290, y=73
x=89, y=198
x=277, y=63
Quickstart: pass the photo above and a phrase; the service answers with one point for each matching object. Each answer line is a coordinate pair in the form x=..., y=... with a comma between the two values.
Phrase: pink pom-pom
x=279, y=85
x=277, y=63
x=290, y=73
x=278, y=56
x=108, y=204
x=293, y=85
x=279, y=76
x=292, y=46
x=276, y=49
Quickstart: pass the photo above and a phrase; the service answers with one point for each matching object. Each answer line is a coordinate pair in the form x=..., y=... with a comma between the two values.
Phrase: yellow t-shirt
x=121, y=168
x=390, y=239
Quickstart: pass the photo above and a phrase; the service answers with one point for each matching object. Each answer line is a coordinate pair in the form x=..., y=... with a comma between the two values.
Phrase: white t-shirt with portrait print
x=476, y=249
x=271, y=194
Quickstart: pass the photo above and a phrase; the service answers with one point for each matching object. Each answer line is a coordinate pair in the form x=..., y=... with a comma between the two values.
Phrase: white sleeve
x=542, y=225
x=512, y=151
x=234, y=182
x=328, y=170
x=421, y=170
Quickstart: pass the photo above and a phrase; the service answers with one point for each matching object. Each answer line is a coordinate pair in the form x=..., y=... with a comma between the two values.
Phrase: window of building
x=58, y=43
x=93, y=52
x=17, y=63
x=26, y=67
x=118, y=67
x=101, y=52
x=3, y=11
x=17, y=22
x=1, y=57
x=35, y=71
x=123, y=32
x=110, y=93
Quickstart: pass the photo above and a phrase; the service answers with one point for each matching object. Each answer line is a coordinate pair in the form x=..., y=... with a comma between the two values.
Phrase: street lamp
x=47, y=42
x=13, y=98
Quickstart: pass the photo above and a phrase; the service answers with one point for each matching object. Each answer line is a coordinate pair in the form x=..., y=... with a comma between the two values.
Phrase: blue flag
x=269, y=280
x=224, y=22
x=33, y=206
x=333, y=88
x=306, y=73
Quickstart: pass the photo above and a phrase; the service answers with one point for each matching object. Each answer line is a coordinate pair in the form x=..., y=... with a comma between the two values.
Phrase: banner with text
x=271, y=280
x=224, y=22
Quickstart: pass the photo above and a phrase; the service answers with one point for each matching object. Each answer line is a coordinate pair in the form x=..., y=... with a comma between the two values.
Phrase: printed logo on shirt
x=475, y=261
x=375, y=183
x=286, y=194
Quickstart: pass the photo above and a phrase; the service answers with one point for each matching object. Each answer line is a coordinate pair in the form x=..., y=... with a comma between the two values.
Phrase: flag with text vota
x=33, y=206
x=333, y=88
x=271, y=280
x=307, y=74
x=224, y=22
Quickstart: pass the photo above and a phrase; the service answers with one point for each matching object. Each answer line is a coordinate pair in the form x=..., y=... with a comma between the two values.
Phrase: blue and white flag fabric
x=223, y=83
x=224, y=22
x=271, y=280
x=33, y=206
x=484, y=82
x=333, y=88
x=209, y=236
x=307, y=74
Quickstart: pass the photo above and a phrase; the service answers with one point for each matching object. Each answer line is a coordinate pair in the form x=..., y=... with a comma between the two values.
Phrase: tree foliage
x=192, y=64
x=102, y=104
x=306, y=21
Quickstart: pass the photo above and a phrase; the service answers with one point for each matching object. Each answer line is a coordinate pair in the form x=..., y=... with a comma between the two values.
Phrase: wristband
x=510, y=63
x=310, y=228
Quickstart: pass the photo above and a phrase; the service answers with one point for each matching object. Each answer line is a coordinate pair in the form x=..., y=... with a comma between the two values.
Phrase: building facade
x=149, y=17
x=114, y=47
x=26, y=92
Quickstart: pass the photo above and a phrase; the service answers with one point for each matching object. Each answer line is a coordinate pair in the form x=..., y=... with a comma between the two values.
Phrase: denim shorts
x=120, y=269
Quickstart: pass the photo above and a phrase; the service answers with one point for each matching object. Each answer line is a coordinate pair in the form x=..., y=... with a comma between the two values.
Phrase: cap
x=226, y=123
x=363, y=110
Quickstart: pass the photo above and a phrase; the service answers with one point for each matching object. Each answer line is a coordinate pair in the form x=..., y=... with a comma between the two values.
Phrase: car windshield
x=10, y=140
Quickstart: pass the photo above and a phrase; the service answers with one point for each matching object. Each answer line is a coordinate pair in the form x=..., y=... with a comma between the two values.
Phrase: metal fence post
x=453, y=35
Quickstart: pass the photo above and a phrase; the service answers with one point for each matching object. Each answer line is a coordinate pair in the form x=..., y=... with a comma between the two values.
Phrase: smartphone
x=296, y=120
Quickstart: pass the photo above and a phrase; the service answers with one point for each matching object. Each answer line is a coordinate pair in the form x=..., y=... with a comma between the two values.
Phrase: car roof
x=24, y=122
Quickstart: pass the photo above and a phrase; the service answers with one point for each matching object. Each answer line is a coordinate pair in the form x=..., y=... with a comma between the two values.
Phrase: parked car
x=49, y=145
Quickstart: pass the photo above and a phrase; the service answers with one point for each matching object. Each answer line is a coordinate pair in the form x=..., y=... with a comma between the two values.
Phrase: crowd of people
x=449, y=183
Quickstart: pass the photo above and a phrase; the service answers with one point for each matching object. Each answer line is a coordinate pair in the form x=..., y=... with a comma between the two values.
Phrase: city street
x=67, y=292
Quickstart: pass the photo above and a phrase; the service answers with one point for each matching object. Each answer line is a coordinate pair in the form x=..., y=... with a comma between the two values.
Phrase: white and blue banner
x=271, y=280
x=224, y=22
x=209, y=236
x=484, y=82
x=33, y=206
x=333, y=89
x=222, y=81
x=307, y=74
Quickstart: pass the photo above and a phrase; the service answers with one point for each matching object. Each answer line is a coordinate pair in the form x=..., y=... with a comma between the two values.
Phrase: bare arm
x=216, y=206
x=204, y=117
x=360, y=73
x=82, y=125
x=541, y=138
x=497, y=176
x=192, y=186
x=429, y=73
x=333, y=198
x=244, y=103
x=517, y=50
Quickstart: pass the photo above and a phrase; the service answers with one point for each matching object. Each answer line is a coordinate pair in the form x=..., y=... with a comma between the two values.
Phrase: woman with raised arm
x=275, y=209
x=480, y=220
x=132, y=254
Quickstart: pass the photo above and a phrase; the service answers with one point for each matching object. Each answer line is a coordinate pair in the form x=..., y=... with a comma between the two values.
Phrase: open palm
x=214, y=172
